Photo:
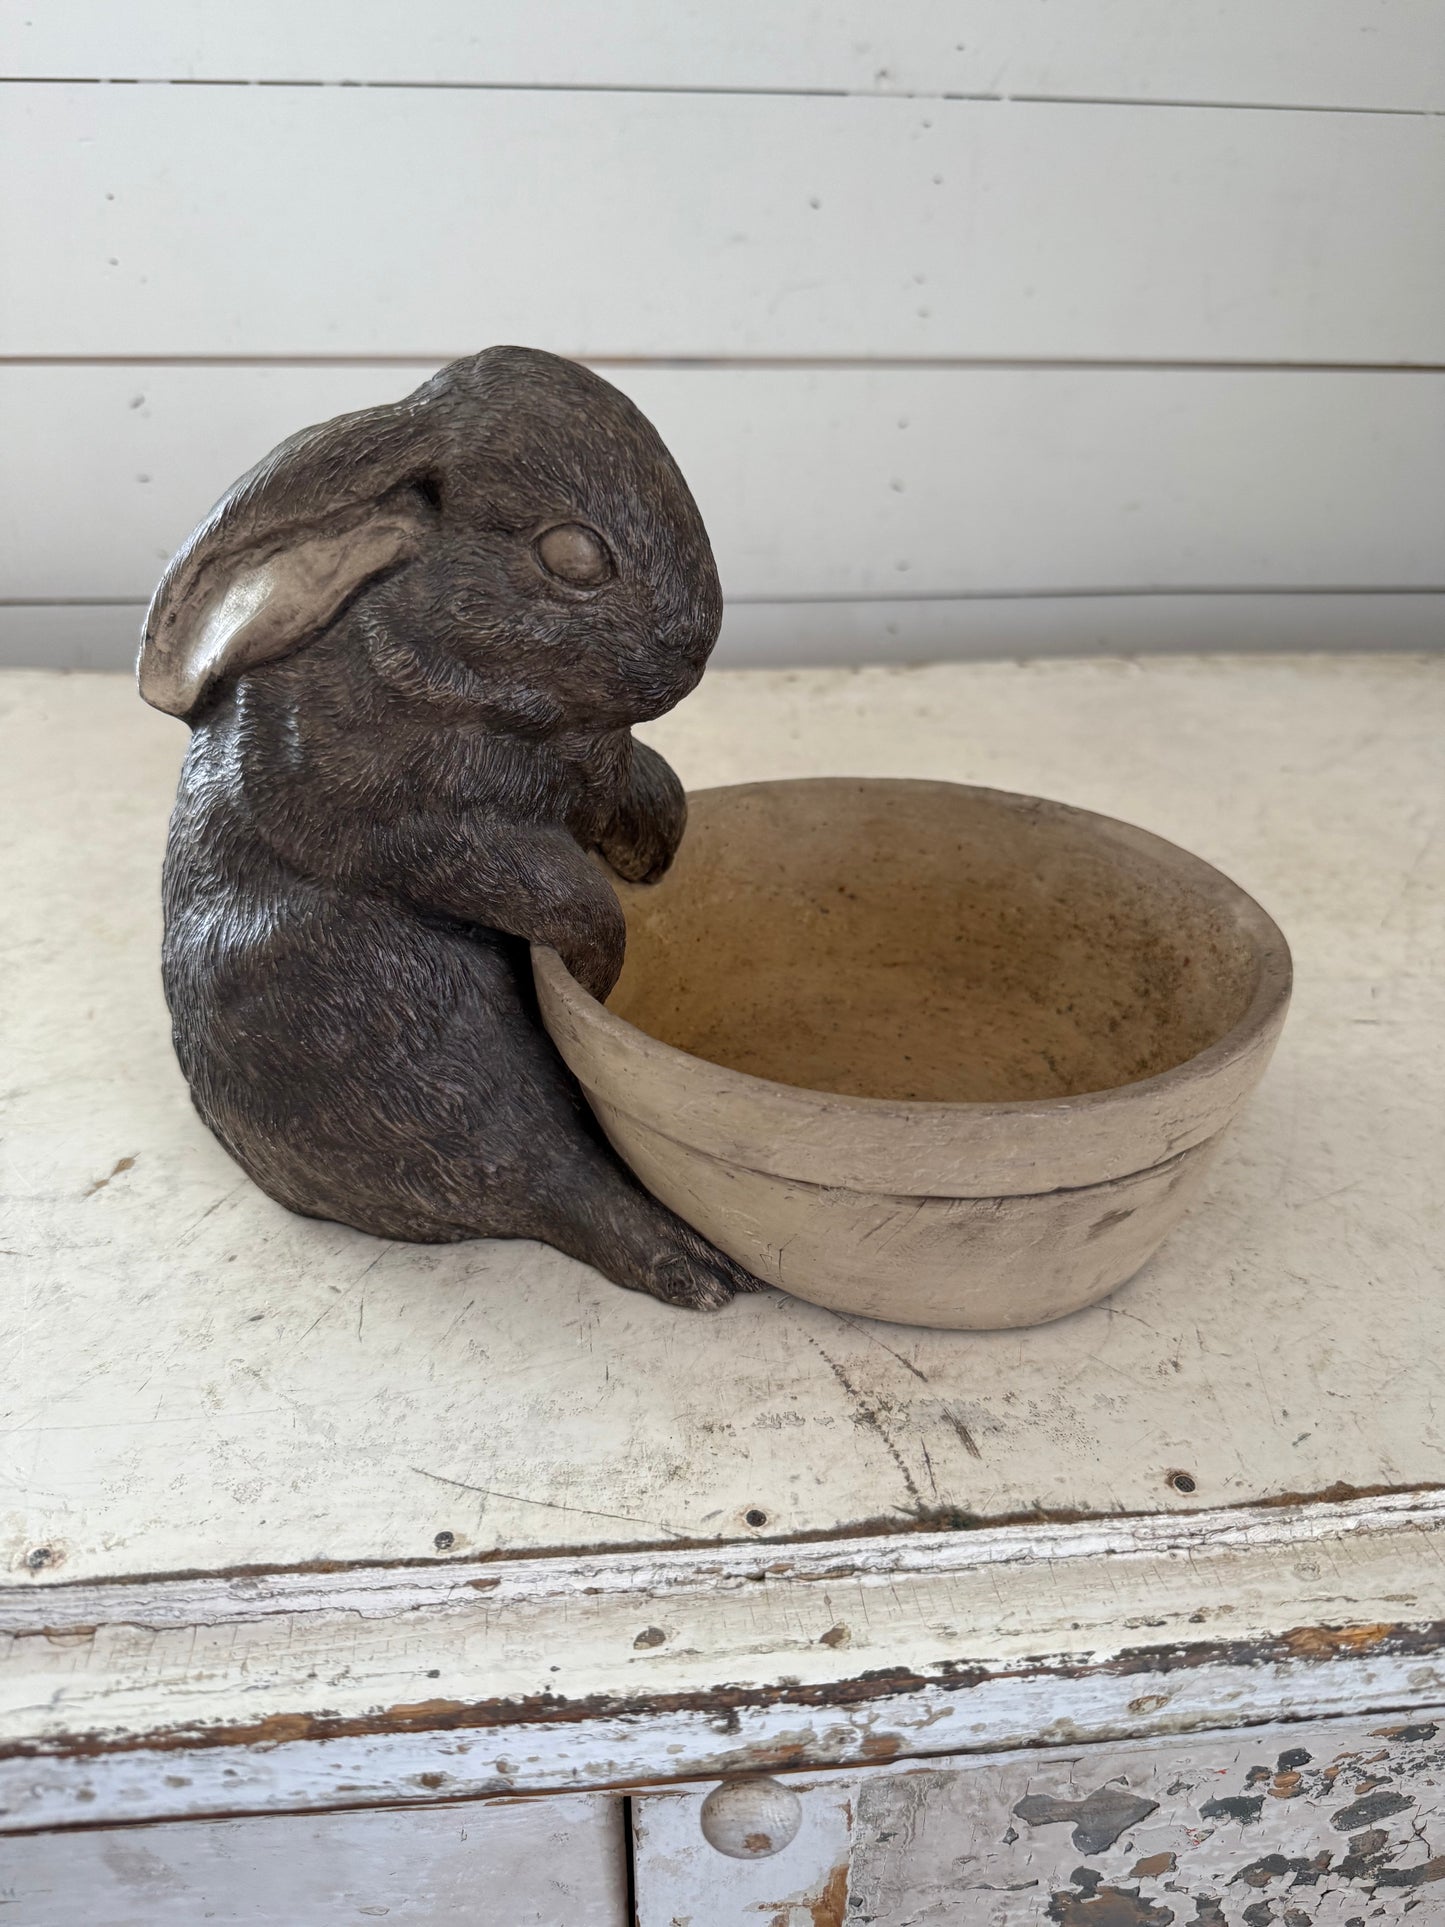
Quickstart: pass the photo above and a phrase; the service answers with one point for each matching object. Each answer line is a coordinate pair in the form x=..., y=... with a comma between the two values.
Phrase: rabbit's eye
x=575, y=554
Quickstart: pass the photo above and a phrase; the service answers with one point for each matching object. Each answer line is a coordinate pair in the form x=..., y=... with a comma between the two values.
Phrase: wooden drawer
x=559, y=1862
x=1301, y=1825
x=1309, y=1824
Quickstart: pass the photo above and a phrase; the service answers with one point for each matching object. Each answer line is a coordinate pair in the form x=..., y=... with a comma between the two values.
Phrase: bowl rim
x=1187, y=1103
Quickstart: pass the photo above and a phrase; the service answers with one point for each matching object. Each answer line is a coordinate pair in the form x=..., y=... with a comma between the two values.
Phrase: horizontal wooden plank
x=834, y=483
x=1149, y=1693
x=481, y=1678
x=937, y=629
x=284, y=221
x=212, y=1383
x=558, y=1864
x=1351, y=53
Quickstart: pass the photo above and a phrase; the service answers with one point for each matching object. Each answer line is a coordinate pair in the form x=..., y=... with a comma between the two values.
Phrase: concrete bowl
x=924, y=1052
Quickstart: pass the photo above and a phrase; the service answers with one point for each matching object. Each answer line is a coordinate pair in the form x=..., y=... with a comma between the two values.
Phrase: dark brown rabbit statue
x=410, y=645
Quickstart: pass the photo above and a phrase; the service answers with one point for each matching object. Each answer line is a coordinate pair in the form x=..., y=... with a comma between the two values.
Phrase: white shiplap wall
x=992, y=326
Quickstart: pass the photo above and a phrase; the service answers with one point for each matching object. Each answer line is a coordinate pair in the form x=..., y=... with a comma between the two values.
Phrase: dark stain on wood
x=1274, y=1866
x=827, y=1907
x=1423, y=1873
x=1367, y=1866
x=965, y=1437
x=869, y=1413
x=120, y=1166
x=1370, y=1811
x=1089, y=1903
x=1098, y=1819
x=877, y=1747
x=1245, y=1808
x=1152, y=1866
x=1371, y=1861
x=1325, y=1642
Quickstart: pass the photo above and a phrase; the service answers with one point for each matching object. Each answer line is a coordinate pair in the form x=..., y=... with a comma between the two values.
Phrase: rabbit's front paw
x=647, y=825
x=639, y=852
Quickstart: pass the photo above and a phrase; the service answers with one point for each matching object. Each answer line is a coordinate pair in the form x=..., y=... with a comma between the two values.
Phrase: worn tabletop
x=197, y=1381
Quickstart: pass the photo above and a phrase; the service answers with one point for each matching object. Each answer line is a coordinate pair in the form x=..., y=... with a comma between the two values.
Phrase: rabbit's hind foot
x=640, y=1245
x=695, y=1274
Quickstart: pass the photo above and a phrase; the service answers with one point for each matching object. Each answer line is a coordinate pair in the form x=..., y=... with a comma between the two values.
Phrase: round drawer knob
x=749, y=1819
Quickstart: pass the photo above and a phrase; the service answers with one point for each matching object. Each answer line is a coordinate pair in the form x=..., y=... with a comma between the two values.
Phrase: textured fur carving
x=410, y=644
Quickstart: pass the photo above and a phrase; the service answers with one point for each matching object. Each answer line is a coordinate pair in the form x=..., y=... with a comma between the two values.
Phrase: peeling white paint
x=1246, y=1830
x=318, y=1688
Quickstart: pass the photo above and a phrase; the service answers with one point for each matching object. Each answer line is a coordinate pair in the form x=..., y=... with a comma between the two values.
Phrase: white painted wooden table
x=326, y=1554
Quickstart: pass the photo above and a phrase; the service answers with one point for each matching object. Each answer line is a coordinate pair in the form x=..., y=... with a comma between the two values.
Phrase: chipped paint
x=904, y=1526
x=1200, y=1845
x=1098, y=1820
x=825, y=1907
x=829, y=1906
x=1245, y=1809
x=1089, y=1903
x=1060, y=1633
x=1152, y=1866
x=875, y=1685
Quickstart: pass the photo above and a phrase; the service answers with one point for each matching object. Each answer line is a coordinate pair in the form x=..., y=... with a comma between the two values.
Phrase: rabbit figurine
x=410, y=645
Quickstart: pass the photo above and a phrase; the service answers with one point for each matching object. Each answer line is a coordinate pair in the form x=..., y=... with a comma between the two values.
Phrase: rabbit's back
x=361, y=1062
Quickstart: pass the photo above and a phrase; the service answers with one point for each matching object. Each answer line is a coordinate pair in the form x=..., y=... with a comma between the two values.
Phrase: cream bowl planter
x=925, y=1052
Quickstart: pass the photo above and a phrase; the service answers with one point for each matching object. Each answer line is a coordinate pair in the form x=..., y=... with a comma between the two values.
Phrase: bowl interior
x=932, y=942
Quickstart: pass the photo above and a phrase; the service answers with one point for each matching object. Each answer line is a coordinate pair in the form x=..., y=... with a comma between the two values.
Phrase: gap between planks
x=685, y=90
x=866, y=364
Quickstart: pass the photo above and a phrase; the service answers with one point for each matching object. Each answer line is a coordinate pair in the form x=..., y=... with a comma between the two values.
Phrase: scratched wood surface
x=558, y=1863
x=198, y=1381
x=1323, y=1826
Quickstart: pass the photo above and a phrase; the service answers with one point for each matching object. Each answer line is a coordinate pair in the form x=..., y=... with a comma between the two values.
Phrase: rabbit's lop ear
x=285, y=549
